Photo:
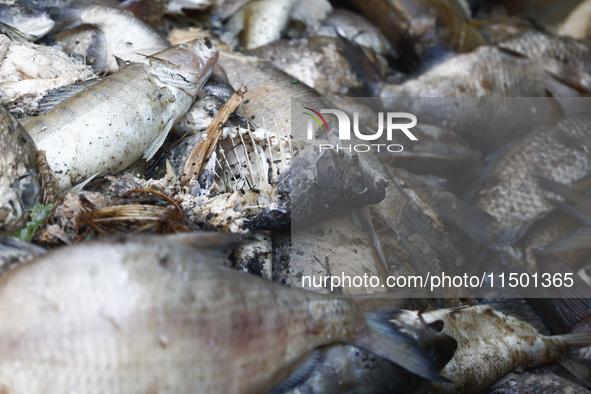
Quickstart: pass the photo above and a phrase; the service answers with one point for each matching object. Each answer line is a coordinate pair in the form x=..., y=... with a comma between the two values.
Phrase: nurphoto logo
x=392, y=121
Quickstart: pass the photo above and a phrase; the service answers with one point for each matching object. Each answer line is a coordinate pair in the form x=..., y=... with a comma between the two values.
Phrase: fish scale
x=511, y=194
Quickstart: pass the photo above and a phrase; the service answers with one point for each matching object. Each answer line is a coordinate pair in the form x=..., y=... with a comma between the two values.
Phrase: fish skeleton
x=124, y=117
x=155, y=313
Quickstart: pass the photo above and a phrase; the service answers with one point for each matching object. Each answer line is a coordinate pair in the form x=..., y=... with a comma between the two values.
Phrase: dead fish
x=23, y=22
x=491, y=344
x=214, y=94
x=329, y=183
x=270, y=90
x=412, y=25
x=486, y=72
x=542, y=45
x=19, y=185
x=142, y=313
x=125, y=116
x=265, y=20
x=457, y=94
x=356, y=28
x=123, y=35
x=28, y=71
x=319, y=62
x=511, y=193
x=347, y=369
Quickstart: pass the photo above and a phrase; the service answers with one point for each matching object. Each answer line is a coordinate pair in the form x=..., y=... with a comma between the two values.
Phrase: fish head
x=186, y=66
x=31, y=22
x=19, y=186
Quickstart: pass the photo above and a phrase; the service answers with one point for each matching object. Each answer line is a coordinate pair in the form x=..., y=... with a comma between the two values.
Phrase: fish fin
x=569, y=75
x=576, y=240
x=580, y=369
x=96, y=55
x=513, y=234
x=582, y=209
x=120, y=62
x=386, y=340
x=300, y=374
x=575, y=340
x=157, y=143
x=58, y=95
x=472, y=38
x=77, y=189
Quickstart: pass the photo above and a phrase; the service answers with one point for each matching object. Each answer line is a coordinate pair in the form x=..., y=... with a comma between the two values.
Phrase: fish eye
x=184, y=46
x=28, y=11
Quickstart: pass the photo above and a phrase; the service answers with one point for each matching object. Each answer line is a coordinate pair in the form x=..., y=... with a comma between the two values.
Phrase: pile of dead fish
x=149, y=153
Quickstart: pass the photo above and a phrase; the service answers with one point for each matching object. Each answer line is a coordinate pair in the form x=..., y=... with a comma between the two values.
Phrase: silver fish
x=124, y=117
x=101, y=33
x=457, y=92
x=149, y=313
x=319, y=62
x=265, y=20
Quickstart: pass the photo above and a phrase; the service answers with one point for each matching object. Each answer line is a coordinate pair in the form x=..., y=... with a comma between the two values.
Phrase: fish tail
x=387, y=337
x=577, y=340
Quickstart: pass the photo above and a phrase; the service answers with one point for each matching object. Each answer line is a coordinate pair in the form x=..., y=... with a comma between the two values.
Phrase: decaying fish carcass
x=448, y=254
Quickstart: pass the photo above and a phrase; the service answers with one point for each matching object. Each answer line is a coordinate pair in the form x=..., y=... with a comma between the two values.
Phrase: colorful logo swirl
x=315, y=118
